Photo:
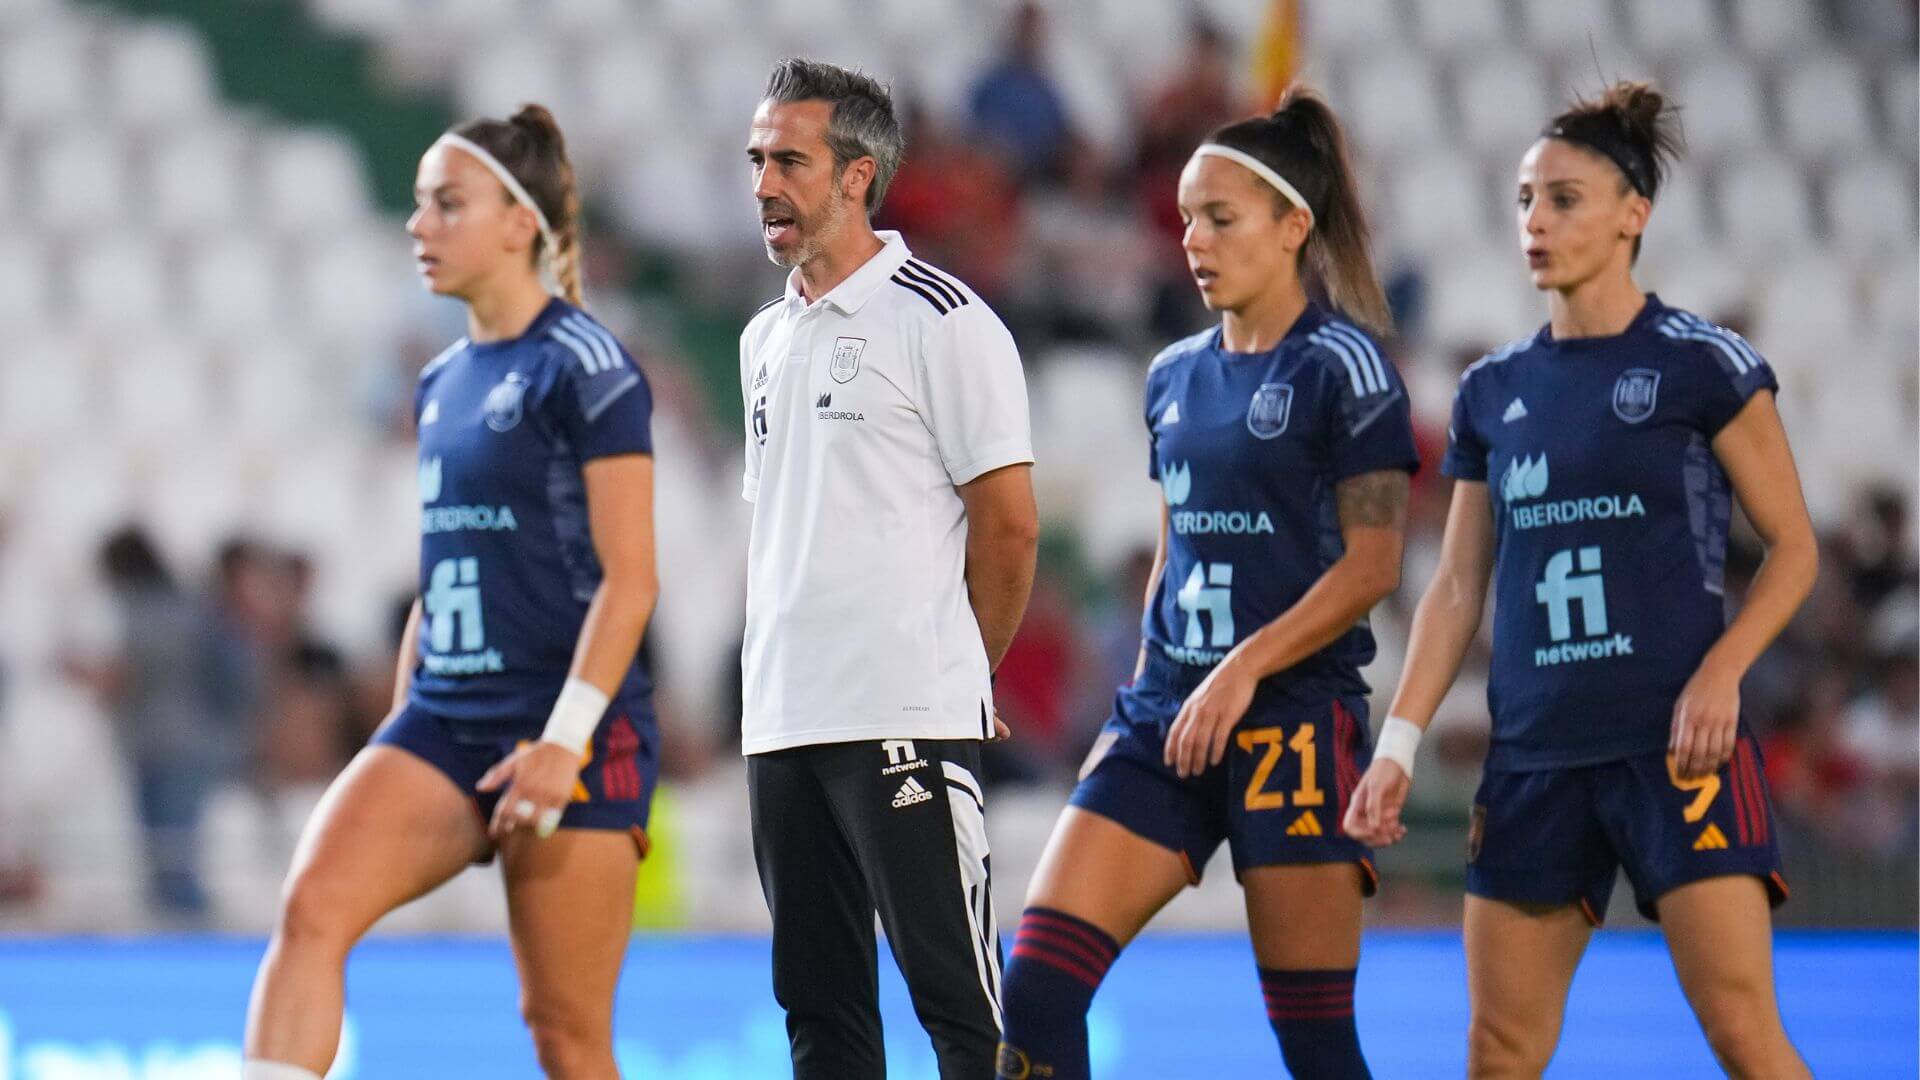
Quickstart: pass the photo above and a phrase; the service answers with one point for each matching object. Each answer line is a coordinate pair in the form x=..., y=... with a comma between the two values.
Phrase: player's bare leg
x=1305, y=921
x=1520, y=964
x=570, y=909
x=389, y=829
x=1096, y=886
x=1720, y=932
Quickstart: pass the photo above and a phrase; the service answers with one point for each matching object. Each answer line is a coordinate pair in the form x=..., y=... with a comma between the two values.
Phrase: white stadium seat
x=46, y=391
x=1569, y=25
x=1823, y=107
x=1722, y=106
x=26, y=286
x=1900, y=104
x=158, y=393
x=79, y=178
x=1442, y=202
x=1808, y=296
x=1503, y=102
x=196, y=179
x=1355, y=26
x=1461, y=24
x=159, y=73
x=1669, y=27
x=234, y=282
x=46, y=77
x=1682, y=213
x=1870, y=205
x=312, y=180
x=500, y=77
x=1765, y=204
x=119, y=281
x=1773, y=27
x=1479, y=299
x=1391, y=104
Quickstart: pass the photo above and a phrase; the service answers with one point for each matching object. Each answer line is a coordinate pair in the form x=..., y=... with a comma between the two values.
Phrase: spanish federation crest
x=504, y=402
x=1267, y=413
x=846, y=358
x=1635, y=393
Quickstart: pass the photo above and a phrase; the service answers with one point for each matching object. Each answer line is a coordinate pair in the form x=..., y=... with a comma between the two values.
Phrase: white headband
x=507, y=181
x=1260, y=169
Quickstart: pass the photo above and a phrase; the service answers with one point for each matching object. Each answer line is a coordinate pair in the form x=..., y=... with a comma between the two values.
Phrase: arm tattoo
x=1376, y=499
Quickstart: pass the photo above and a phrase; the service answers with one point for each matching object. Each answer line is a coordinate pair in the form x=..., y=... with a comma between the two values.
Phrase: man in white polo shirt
x=888, y=458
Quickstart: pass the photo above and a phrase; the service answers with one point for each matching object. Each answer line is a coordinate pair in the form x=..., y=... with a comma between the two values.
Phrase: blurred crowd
x=218, y=677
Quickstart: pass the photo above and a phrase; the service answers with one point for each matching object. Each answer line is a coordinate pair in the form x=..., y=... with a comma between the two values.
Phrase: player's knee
x=313, y=915
x=568, y=1043
x=1500, y=1046
x=1743, y=1029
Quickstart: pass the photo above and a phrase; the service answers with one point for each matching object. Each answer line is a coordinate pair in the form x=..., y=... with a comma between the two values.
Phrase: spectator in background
x=1197, y=97
x=1016, y=104
x=177, y=693
x=961, y=206
x=1090, y=270
x=1880, y=728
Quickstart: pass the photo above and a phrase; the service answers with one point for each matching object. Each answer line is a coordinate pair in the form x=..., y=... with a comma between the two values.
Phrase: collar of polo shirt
x=850, y=295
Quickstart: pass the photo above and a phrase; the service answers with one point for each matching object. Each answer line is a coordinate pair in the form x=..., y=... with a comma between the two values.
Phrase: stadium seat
x=1870, y=205
x=1894, y=288
x=354, y=283
x=1568, y=26
x=1900, y=105
x=46, y=75
x=119, y=282
x=233, y=283
x=159, y=73
x=45, y=390
x=26, y=289
x=312, y=181
x=1503, y=102
x=1823, y=107
x=1441, y=203
x=1670, y=27
x=79, y=178
x=378, y=17
x=1722, y=106
x=1479, y=299
x=1391, y=104
x=1465, y=24
x=502, y=76
x=1682, y=214
x=627, y=84
x=195, y=179
x=1765, y=204
x=1772, y=27
x=1808, y=296
x=1710, y=281
x=1355, y=26
x=158, y=393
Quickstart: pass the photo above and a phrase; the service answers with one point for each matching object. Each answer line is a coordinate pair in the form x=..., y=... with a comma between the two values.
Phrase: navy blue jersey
x=1248, y=448
x=1610, y=515
x=507, y=565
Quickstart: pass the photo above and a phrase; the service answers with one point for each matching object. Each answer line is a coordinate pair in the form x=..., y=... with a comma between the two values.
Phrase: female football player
x=521, y=722
x=1283, y=444
x=1595, y=464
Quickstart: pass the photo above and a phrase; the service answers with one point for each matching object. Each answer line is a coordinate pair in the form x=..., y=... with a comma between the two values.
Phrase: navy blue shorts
x=1559, y=836
x=616, y=783
x=1276, y=798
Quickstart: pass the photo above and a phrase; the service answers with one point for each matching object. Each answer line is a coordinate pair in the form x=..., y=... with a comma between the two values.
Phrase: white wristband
x=1399, y=739
x=575, y=715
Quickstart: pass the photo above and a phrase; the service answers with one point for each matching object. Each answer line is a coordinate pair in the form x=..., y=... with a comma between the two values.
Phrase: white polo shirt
x=864, y=409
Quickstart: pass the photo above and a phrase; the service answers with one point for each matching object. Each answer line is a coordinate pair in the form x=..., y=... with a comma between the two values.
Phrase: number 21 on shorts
x=1272, y=744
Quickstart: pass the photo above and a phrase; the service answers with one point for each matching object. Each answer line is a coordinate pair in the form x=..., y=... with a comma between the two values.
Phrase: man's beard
x=812, y=237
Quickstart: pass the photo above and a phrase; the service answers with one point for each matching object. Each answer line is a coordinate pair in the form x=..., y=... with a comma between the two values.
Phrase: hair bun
x=538, y=120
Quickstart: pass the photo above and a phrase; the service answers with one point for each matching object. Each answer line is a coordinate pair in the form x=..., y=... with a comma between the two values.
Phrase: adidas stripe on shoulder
x=943, y=293
x=590, y=343
x=1357, y=353
x=1736, y=356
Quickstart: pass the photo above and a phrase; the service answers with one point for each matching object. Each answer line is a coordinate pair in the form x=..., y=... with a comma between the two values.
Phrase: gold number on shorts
x=1276, y=742
x=1258, y=799
x=1708, y=787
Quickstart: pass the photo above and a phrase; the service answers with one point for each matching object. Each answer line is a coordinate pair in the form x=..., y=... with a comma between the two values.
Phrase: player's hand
x=1706, y=720
x=1001, y=732
x=1373, y=813
x=538, y=778
x=1198, y=738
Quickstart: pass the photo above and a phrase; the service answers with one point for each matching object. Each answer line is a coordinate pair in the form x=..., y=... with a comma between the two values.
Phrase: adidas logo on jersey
x=1172, y=415
x=1711, y=839
x=910, y=792
x=1515, y=411
x=1307, y=824
x=431, y=413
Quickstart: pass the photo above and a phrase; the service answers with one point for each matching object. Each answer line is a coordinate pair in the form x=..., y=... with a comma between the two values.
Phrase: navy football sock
x=1057, y=964
x=1312, y=1013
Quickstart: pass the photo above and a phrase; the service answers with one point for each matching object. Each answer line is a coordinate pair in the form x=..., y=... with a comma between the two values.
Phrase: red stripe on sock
x=1046, y=937
x=1091, y=939
x=1039, y=953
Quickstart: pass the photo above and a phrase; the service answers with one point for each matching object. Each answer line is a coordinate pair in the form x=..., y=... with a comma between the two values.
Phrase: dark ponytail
x=1302, y=142
x=532, y=148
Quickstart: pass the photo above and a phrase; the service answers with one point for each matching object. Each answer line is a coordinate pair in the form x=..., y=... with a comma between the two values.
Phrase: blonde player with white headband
x=1282, y=442
x=522, y=721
